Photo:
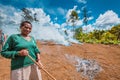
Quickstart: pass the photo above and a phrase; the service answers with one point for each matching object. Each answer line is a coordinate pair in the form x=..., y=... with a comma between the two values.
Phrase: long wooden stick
x=39, y=65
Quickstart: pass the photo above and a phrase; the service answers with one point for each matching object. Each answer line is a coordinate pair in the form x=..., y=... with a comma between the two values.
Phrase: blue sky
x=101, y=12
x=53, y=14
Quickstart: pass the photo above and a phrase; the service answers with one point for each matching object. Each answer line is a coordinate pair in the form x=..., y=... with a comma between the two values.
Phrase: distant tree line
x=111, y=36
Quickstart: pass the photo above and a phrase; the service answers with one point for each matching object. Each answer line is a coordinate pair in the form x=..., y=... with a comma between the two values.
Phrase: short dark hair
x=23, y=23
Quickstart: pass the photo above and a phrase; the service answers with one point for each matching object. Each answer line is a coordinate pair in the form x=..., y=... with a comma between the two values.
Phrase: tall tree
x=73, y=18
x=85, y=15
x=28, y=15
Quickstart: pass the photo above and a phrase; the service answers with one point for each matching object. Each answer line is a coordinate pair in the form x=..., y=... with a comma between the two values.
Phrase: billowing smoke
x=43, y=28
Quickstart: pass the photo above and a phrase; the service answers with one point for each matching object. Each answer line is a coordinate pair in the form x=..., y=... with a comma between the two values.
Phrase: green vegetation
x=99, y=36
x=111, y=36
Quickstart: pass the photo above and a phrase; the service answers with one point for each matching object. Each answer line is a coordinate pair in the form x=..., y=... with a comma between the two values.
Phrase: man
x=17, y=48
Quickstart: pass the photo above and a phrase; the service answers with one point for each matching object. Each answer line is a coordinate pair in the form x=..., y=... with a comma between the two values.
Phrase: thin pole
x=39, y=65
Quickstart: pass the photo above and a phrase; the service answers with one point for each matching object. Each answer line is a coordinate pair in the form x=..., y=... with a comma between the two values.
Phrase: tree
x=85, y=20
x=116, y=31
x=27, y=15
x=79, y=35
x=73, y=18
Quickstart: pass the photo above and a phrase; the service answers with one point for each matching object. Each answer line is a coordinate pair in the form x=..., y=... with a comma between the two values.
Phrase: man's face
x=26, y=28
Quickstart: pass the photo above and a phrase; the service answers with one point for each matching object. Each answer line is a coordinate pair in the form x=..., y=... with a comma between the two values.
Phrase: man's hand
x=23, y=52
x=38, y=60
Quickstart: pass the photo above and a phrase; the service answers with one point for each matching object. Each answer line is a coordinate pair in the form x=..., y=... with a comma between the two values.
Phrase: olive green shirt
x=16, y=43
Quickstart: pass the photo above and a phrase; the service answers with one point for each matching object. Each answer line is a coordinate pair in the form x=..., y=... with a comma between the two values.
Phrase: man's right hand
x=23, y=52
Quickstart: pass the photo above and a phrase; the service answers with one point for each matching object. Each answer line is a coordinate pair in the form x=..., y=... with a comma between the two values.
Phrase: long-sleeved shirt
x=13, y=45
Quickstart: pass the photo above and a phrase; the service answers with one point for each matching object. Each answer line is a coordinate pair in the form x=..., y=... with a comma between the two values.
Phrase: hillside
x=55, y=62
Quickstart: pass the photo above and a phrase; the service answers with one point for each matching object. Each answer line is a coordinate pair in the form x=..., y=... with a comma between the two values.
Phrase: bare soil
x=55, y=62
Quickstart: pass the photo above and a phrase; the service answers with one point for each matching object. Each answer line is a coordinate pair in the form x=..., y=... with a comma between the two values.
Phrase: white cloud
x=9, y=14
x=88, y=28
x=75, y=7
x=90, y=18
x=55, y=18
x=63, y=25
x=82, y=8
x=78, y=11
x=82, y=1
x=57, y=11
x=107, y=20
x=41, y=15
x=51, y=11
x=61, y=11
x=77, y=22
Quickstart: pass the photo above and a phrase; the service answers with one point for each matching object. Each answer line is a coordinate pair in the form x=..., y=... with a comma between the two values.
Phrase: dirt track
x=55, y=62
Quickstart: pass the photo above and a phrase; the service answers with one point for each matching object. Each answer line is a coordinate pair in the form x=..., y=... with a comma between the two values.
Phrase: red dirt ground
x=54, y=61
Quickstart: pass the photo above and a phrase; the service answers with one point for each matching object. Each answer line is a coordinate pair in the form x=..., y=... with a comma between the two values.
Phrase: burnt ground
x=55, y=62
